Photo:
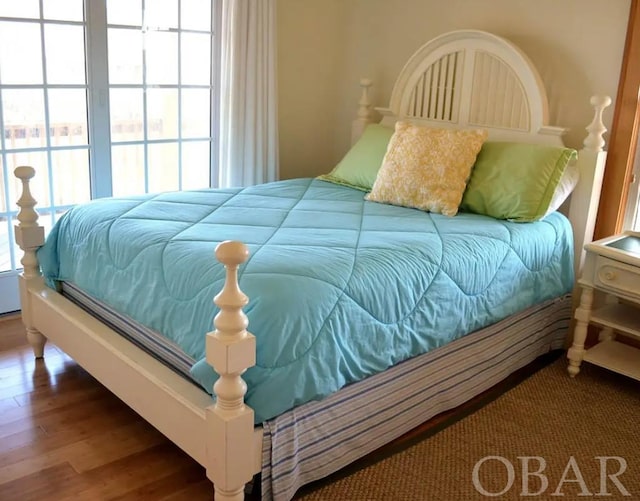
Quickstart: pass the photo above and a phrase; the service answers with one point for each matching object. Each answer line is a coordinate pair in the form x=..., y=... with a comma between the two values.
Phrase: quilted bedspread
x=340, y=288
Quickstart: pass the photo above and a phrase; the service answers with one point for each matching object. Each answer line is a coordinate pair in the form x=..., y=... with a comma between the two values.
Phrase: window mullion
x=180, y=33
x=98, y=98
x=47, y=120
x=216, y=25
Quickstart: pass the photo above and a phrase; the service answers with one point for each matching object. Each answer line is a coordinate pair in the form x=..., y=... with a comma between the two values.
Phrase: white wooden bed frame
x=463, y=78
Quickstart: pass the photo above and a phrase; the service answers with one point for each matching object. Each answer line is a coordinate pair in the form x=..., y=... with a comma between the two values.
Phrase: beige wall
x=311, y=38
x=325, y=46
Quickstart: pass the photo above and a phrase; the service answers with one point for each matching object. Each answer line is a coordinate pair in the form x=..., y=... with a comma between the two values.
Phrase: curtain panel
x=248, y=137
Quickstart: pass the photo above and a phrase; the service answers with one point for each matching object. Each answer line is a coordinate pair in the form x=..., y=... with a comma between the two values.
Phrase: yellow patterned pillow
x=427, y=168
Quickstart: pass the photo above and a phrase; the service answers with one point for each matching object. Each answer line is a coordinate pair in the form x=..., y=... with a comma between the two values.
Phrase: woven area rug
x=549, y=436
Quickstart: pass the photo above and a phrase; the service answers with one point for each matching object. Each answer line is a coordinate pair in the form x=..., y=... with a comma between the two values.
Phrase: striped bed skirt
x=321, y=437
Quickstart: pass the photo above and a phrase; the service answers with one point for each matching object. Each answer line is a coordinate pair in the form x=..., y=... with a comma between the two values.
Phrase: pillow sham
x=427, y=168
x=516, y=181
x=359, y=167
x=567, y=184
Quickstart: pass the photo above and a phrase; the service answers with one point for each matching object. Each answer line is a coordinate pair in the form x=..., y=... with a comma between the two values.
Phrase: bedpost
x=365, y=115
x=230, y=350
x=586, y=196
x=29, y=236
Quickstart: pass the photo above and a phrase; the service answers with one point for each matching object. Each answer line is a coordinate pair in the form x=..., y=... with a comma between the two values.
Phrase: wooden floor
x=64, y=436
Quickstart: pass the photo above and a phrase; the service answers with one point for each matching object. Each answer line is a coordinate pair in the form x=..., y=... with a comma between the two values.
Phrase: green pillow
x=515, y=181
x=359, y=167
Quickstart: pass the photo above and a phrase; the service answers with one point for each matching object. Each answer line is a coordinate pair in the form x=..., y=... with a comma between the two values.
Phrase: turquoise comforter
x=339, y=288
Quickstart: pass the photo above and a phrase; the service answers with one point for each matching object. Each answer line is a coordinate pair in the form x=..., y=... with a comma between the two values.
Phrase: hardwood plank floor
x=64, y=436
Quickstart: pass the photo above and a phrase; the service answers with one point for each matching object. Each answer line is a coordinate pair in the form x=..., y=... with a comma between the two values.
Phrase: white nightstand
x=612, y=267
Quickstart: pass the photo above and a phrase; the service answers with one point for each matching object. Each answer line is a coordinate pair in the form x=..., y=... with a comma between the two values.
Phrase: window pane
x=63, y=10
x=163, y=167
x=196, y=15
x=23, y=118
x=68, y=117
x=4, y=205
x=196, y=59
x=126, y=115
x=58, y=214
x=195, y=165
x=39, y=184
x=196, y=112
x=162, y=113
x=162, y=57
x=22, y=8
x=22, y=66
x=127, y=170
x=64, y=54
x=70, y=176
x=17, y=252
x=5, y=256
x=125, y=56
x=127, y=12
x=161, y=13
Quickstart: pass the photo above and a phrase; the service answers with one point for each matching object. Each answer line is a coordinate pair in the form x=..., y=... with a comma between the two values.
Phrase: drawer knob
x=610, y=275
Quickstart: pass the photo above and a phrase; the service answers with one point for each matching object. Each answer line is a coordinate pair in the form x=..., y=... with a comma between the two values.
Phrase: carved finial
x=29, y=234
x=231, y=320
x=364, y=104
x=231, y=325
x=365, y=113
x=594, y=141
x=232, y=253
x=27, y=215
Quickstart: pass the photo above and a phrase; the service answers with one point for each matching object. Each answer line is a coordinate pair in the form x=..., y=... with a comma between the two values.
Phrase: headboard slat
x=419, y=105
x=434, y=96
x=448, y=101
x=489, y=99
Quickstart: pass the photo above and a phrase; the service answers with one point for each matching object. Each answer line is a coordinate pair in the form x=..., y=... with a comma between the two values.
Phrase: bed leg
x=230, y=351
x=229, y=496
x=29, y=236
x=37, y=341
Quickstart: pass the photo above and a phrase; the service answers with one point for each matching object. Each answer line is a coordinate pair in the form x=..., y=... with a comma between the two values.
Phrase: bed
x=405, y=354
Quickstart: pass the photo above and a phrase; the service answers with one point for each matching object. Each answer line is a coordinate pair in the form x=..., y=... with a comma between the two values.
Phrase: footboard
x=220, y=436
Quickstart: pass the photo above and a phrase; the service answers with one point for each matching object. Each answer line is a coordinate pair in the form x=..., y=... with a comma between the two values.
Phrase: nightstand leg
x=607, y=333
x=575, y=354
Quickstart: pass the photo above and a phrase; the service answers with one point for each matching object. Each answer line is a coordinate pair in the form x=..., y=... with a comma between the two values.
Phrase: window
x=632, y=214
x=102, y=97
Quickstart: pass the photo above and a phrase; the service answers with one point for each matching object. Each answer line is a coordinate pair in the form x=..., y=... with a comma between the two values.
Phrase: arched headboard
x=471, y=78
x=475, y=79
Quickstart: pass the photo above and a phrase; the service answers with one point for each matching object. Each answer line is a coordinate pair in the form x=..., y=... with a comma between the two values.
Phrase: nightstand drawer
x=617, y=276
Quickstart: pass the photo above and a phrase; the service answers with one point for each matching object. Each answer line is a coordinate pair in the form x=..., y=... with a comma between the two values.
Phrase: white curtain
x=248, y=121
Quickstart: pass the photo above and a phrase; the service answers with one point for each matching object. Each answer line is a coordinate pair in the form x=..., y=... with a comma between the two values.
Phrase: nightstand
x=611, y=272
